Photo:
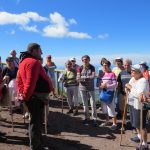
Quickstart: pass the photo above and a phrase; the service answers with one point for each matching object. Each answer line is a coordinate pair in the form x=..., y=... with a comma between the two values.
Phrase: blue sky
x=72, y=28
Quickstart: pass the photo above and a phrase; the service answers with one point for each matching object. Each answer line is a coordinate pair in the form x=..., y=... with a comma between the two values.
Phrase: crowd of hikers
x=26, y=81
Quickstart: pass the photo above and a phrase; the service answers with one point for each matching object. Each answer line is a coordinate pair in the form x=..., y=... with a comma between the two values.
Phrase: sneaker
x=103, y=124
x=113, y=127
x=94, y=123
x=135, y=139
x=75, y=112
x=142, y=147
x=70, y=111
x=26, y=115
x=86, y=121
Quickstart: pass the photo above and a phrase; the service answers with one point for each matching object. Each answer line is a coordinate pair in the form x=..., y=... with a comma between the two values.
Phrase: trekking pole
x=45, y=108
x=123, y=118
x=62, y=98
x=11, y=113
x=141, y=122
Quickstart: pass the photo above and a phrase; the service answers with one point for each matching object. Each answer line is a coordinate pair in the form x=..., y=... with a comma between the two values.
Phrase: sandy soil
x=66, y=132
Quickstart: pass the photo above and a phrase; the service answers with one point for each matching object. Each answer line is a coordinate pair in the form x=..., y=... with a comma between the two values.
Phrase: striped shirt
x=110, y=80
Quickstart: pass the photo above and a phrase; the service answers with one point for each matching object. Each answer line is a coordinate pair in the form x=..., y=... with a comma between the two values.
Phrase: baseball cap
x=72, y=59
x=137, y=67
x=142, y=63
x=119, y=58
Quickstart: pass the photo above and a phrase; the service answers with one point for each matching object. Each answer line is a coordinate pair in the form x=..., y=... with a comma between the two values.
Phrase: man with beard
x=34, y=86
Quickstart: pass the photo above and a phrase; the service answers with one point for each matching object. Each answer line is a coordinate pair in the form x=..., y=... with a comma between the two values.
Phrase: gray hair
x=129, y=61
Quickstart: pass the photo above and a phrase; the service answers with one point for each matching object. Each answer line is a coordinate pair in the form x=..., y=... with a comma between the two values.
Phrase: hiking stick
x=45, y=108
x=124, y=115
x=141, y=122
x=11, y=113
x=62, y=104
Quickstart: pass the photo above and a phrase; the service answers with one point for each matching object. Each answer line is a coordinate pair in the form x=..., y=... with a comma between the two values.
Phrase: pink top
x=110, y=80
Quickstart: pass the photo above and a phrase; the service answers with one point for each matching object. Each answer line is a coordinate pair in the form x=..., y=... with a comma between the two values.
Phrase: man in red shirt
x=33, y=85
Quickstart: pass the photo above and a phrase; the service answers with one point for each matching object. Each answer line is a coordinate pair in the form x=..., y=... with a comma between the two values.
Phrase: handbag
x=106, y=96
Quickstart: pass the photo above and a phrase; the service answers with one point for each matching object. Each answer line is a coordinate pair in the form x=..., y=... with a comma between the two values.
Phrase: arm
x=19, y=83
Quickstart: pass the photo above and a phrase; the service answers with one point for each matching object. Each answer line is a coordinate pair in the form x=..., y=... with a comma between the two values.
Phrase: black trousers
x=36, y=110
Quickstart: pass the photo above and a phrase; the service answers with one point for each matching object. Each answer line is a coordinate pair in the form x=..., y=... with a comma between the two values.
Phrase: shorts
x=136, y=118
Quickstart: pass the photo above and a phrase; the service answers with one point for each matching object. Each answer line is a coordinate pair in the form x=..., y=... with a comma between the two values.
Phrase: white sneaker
x=26, y=115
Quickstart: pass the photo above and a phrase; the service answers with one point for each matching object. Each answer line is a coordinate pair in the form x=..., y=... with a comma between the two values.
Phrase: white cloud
x=55, y=31
x=59, y=28
x=22, y=20
x=79, y=35
x=29, y=28
x=103, y=36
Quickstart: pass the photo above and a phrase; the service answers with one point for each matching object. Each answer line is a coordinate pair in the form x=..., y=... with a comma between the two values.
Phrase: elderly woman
x=10, y=72
x=107, y=86
x=71, y=84
x=138, y=87
x=9, y=77
x=50, y=70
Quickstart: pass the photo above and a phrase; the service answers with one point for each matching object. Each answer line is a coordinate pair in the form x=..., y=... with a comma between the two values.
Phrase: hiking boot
x=2, y=133
x=94, y=123
x=113, y=127
x=142, y=147
x=86, y=121
x=70, y=111
x=135, y=139
x=75, y=112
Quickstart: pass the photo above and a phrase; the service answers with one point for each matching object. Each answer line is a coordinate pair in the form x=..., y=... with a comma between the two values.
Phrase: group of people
x=35, y=83
x=124, y=80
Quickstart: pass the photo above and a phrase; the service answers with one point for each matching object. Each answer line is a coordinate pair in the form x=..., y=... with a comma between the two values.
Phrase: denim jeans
x=85, y=95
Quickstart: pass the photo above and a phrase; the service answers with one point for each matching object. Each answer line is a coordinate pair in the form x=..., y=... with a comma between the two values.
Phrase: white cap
x=142, y=63
x=72, y=59
x=137, y=67
x=119, y=58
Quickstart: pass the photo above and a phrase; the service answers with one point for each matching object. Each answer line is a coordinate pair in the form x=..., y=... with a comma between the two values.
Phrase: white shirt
x=139, y=86
x=130, y=96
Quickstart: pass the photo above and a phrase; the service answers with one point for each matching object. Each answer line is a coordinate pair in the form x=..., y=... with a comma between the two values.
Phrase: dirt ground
x=66, y=132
